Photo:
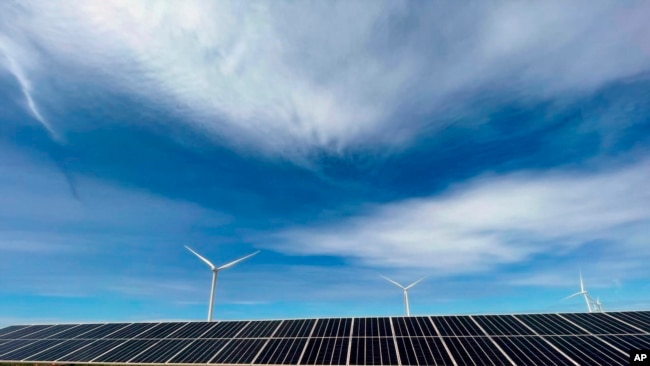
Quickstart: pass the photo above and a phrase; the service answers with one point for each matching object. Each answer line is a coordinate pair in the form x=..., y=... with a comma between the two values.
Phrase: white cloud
x=495, y=221
x=289, y=77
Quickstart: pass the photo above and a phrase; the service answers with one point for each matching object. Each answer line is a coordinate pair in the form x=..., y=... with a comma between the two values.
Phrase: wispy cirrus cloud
x=496, y=221
x=263, y=74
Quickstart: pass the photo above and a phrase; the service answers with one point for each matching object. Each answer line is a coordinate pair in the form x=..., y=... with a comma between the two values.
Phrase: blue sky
x=497, y=148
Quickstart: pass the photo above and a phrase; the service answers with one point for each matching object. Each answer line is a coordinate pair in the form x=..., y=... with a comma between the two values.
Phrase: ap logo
x=640, y=357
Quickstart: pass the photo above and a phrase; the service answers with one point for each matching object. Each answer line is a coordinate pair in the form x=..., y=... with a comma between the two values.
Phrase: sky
x=498, y=148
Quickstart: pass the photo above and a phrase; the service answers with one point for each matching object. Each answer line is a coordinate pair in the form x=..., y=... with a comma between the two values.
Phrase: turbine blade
x=574, y=295
x=228, y=265
x=393, y=282
x=201, y=258
x=582, y=285
x=415, y=283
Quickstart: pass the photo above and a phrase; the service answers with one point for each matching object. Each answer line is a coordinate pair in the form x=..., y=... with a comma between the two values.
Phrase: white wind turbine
x=406, y=293
x=592, y=306
x=215, y=270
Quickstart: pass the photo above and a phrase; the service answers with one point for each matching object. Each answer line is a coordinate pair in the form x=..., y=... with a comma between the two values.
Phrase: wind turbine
x=406, y=293
x=216, y=270
x=592, y=306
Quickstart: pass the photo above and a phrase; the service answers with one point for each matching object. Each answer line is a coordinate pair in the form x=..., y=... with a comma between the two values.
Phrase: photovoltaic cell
x=549, y=324
x=52, y=331
x=326, y=351
x=161, y=351
x=281, y=352
x=588, y=350
x=193, y=330
x=130, y=331
x=91, y=351
x=225, y=329
x=373, y=351
x=530, y=350
x=74, y=332
x=126, y=351
x=259, y=329
x=30, y=349
x=8, y=330
x=162, y=330
x=419, y=326
x=332, y=327
x=629, y=342
x=456, y=326
x=26, y=332
x=239, y=351
x=102, y=331
x=60, y=350
x=199, y=351
x=372, y=327
x=501, y=325
x=13, y=345
x=599, y=323
x=636, y=319
x=295, y=328
x=477, y=350
x=422, y=351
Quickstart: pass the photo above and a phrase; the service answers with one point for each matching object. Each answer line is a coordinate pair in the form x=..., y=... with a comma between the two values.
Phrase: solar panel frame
x=333, y=327
x=51, y=331
x=161, y=351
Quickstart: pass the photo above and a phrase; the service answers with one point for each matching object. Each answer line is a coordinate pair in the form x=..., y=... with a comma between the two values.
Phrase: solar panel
x=281, y=351
x=532, y=339
x=589, y=350
x=422, y=351
x=326, y=351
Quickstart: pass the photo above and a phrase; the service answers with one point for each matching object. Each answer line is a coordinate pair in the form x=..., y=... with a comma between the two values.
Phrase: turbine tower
x=406, y=293
x=216, y=270
x=592, y=305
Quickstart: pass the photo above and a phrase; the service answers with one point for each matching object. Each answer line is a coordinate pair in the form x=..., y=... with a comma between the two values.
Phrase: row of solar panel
x=602, y=350
x=542, y=324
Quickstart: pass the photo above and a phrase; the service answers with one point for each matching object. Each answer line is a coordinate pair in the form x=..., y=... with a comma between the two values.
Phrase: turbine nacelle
x=215, y=270
x=405, y=289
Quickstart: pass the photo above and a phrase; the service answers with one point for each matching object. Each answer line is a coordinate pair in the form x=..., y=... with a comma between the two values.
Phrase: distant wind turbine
x=405, y=289
x=215, y=270
x=592, y=306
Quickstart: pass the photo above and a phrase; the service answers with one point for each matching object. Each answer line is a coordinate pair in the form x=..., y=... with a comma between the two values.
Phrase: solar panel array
x=531, y=339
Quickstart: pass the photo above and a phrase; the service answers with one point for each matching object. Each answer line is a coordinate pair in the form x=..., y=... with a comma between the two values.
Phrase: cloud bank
x=497, y=221
x=288, y=78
